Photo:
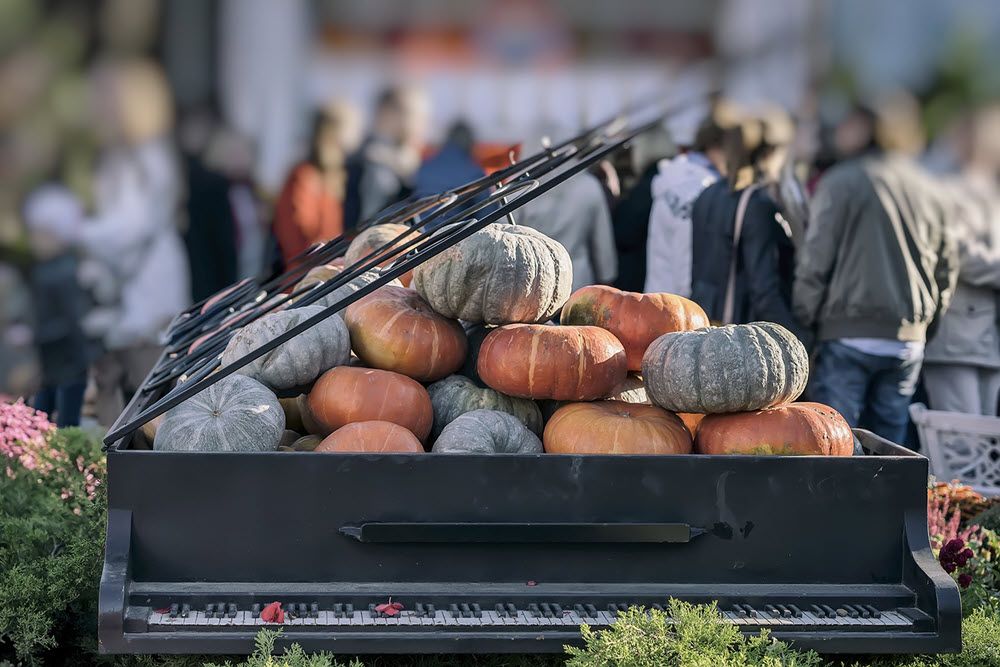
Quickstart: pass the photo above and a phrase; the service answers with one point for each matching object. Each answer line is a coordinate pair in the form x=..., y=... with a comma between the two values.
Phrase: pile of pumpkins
x=464, y=360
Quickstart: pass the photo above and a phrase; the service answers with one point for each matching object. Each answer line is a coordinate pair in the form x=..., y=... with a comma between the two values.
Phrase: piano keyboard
x=549, y=615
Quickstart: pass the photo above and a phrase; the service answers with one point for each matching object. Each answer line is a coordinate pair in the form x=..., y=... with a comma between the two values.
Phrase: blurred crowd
x=882, y=254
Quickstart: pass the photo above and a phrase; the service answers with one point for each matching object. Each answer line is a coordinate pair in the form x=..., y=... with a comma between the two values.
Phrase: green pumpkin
x=456, y=395
x=487, y=432
x=735, y=368
x=236, y=414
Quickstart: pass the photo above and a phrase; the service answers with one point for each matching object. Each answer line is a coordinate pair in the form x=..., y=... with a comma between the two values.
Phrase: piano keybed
x=303, y=616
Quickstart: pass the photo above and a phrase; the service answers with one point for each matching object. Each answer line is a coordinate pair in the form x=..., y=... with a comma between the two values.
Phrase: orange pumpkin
x=344, y=395
x=394, y=329
x=373, y=238
x=692, y=420
x=549, y=362
x=634, y=318
x=375, y=437
x=793, y=429
x=614, y=427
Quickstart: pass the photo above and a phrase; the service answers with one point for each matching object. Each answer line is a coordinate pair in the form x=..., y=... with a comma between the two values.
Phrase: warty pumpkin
x=636, y=319
x=735, y=368
x=613, y=427
x=487, y=432
x=794, y=429
x=236, y=414
x=501, y=274
x=552, y=362
x=396, y=330
x=371, y=437
x=296, y=362
x=374, y=238
x=344, y=395
x=456, y=395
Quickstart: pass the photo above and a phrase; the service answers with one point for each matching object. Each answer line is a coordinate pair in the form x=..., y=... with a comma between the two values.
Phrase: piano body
x=491, y=554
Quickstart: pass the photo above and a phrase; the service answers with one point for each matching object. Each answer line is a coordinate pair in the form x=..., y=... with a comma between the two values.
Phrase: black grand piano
x=494, y=554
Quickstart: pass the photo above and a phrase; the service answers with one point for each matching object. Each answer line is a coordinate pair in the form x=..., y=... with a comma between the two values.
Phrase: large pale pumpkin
x=630, y=390
x=499, y=275
x=347, y=289
x=374, y=238
x=457, y=395
x=395, y=330
x=315, y=276
x=371, y=437
x=613, y=427
x=795, y=429
x=236, y=414
x=552, y=362
x=735, y=368
x=296, y=362
x=636, y=319
x=344, y=395
x=487, y=432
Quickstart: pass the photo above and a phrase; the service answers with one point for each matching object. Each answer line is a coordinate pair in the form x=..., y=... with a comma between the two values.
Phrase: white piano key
x=605, y=618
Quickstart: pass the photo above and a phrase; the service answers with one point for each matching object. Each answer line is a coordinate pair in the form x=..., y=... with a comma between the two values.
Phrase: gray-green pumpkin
x=296, y=362
x=735, y=368
x=487, y=432
x=500, y=275
x=457, y=395
x=236, y=414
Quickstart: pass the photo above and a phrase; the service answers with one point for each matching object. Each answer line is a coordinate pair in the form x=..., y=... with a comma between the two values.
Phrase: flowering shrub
x=23, y=432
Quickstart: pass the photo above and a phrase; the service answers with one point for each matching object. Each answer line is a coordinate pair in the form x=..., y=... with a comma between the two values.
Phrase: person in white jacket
x=133, y=240
x=677, y=184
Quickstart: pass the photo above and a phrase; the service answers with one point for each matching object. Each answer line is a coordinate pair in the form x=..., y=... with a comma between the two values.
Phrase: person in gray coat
x=962, y=360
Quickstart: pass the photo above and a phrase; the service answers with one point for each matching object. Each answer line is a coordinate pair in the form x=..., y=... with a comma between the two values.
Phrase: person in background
x=630, y=215
x=53, y=216
x=962, y=361
x=210, y=234
x=676, y=185
x=453, y=165
x=311, y=205
x=381, y=172
x=743, y=259
x=133, y=235
x=575, y=213
x=875, y=273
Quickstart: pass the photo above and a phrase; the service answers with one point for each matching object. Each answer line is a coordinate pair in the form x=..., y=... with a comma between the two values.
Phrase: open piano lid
x=491, y=554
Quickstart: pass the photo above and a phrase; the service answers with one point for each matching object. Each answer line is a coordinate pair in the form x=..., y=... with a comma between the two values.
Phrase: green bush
x=263, y=656
x=989, y=519
x=694, y=638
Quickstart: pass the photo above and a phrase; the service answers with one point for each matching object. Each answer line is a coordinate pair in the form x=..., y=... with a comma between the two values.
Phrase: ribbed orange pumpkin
x=793, y=429
x=374, y=238
x=636, y=319
x=549, y=362
x=374, y=437
x=345, y=394
x=614, y=427
x=394, y=329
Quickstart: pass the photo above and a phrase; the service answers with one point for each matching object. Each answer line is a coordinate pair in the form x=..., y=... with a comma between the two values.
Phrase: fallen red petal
x=280, y=616
x=272, y=613
x=165, y=610
x=532, y=583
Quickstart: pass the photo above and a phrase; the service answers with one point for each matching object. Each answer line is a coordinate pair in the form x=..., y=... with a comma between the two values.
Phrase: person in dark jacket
x=630, y=213
x=747, y=279
x=453, y=165
x=53, y=217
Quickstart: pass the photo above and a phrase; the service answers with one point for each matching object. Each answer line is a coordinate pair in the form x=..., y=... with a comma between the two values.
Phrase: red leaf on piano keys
x=389, y=608
x=273, y=613
x=165, y=610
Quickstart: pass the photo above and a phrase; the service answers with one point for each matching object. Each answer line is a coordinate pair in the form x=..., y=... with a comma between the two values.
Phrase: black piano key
x=511, y=609
x=209, y=610
x=613, y=609
x=772, y=610
x=785, y=611
x=657, y=607
x=751, y=612
x=419, y=609
x=547, y=610
x=231, y=610
x=430, y=609
x=255, y=610
x=557, y=609
x=314, y=610
x=534, y=610
x=740, y=611
x=174, y=608
x=859, y=610
x=830, y=613
x=875, y=613
x=303, y=610
x=477, y=611
x=591, y=610
x=221, y=609
x=466, y=611
x=453, y=610
x=373, y=612
x=796, y=612
x=578, y=608
x=501, y=610
x=338, y=609
x=349, y=609
x=817, y=611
